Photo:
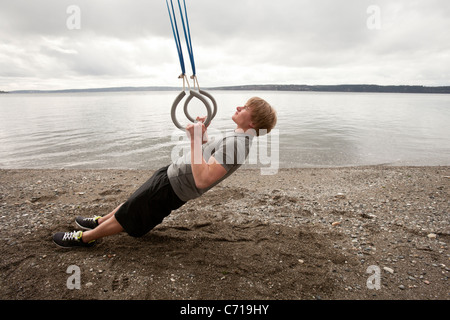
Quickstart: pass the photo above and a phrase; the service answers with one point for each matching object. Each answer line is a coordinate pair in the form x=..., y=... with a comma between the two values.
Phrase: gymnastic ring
x=192, y=95
x=174, y=109
x=214, y=111
x=205, y=102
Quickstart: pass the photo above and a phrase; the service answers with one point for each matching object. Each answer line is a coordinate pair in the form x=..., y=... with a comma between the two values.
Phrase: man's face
x=243, y=117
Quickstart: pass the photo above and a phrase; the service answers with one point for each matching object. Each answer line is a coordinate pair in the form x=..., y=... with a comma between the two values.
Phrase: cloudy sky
x=59, y=44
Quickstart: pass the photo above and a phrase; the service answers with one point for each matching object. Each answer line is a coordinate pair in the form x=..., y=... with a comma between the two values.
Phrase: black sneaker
x=71, y=239
x=87, y=223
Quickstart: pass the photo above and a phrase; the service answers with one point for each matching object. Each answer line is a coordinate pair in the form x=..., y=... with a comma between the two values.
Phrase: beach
x=366, y=233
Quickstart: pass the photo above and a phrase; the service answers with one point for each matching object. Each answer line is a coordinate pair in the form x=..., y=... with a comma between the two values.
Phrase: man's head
x=257, y=114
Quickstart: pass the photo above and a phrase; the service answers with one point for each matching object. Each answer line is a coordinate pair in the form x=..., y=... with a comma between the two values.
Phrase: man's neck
x=249, y=131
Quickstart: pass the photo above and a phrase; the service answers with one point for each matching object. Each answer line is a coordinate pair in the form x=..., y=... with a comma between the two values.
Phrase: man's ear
x=251, y=125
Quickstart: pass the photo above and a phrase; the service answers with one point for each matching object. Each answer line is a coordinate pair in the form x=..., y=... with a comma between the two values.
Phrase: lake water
x=134, y=130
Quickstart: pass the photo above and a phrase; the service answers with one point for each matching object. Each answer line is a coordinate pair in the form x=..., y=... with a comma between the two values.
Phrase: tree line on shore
x=271, y=87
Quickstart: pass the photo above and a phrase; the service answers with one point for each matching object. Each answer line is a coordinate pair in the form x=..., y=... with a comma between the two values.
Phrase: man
x=185, y=179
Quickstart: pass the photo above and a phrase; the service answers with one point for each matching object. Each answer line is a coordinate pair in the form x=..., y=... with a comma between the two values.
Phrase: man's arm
x=205, y=173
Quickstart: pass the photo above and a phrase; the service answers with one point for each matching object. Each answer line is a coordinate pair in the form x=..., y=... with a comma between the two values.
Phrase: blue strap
x=173, y=22
x=187, y=35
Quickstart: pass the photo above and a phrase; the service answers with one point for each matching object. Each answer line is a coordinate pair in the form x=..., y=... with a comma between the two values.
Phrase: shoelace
x=71, y=236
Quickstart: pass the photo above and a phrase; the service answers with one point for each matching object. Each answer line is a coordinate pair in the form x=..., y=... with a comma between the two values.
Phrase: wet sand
x=298, y=235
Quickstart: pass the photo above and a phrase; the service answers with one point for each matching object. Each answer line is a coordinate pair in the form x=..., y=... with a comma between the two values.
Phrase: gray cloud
x=235, y=42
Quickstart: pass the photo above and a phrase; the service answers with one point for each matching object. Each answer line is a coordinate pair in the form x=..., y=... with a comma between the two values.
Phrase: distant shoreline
x=268, y=87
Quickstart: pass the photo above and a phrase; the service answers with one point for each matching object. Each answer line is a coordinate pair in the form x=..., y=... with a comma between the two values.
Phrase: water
x=133, y=130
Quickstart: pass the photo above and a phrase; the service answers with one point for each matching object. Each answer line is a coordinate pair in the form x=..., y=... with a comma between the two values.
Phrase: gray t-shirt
x=231, y=152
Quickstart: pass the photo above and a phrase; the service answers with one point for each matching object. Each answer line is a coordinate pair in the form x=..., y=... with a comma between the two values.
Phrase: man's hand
x=198, y=129
x=202, y=120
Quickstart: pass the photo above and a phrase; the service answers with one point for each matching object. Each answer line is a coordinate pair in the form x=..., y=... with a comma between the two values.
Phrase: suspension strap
x=176, y=35
x=187, y=35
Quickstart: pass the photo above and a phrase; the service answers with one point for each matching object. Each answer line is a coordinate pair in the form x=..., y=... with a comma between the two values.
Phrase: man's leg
x=109, y=215
x=92, y=223
x=108, y=227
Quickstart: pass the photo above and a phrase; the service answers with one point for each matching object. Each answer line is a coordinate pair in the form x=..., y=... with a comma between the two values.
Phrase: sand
x=367, y=233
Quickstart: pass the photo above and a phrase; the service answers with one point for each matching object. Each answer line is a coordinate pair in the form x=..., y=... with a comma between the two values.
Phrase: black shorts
x=149, y=205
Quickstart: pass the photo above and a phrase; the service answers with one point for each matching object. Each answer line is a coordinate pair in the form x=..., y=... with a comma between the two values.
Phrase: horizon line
x=251, y=87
